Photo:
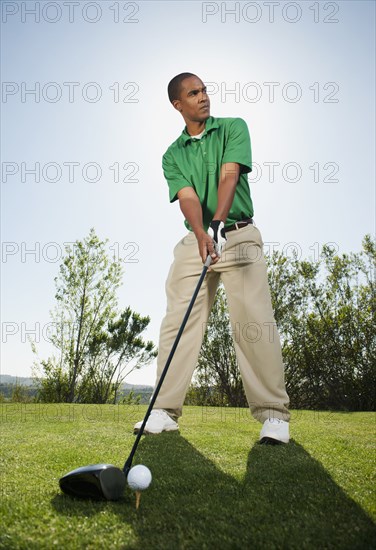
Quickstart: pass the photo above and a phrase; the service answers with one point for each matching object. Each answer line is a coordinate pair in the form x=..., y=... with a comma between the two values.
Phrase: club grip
x=208, y=261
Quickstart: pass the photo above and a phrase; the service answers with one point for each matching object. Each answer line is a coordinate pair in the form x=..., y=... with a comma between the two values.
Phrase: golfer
x=206, y=171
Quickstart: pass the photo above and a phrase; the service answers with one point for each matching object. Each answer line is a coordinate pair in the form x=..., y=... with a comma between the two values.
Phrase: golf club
x=98, y=481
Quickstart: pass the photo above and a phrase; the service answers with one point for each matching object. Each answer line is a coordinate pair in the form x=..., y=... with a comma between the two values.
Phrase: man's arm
x=228, y=178
x=191, y=207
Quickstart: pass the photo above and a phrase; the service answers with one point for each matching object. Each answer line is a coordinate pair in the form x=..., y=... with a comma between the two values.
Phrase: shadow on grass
x=286, y=500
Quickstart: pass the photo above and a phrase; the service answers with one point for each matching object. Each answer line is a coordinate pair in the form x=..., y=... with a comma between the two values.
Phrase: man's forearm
x=192, y=210
x=226, y=190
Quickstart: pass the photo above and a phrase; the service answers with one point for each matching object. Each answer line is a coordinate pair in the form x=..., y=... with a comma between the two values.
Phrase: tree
x=113, y=354
x=21, y=394
x=326, y=323
x=325, y=310
x=217, y=378
x=95, y=342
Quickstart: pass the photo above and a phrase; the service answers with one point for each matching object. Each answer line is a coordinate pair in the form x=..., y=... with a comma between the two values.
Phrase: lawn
x=214, y=486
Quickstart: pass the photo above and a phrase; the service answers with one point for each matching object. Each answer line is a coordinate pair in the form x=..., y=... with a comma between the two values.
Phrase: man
x=206, y=169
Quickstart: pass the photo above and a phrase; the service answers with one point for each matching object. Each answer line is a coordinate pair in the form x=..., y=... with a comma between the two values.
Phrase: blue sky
x=102, y=102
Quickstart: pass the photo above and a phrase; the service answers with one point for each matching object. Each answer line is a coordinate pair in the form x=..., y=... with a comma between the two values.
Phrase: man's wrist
x=216, y=222
x=198, y=231
x=218, y=228
x=218, y=218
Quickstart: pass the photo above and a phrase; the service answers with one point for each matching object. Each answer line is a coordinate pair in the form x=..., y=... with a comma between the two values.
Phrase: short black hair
x=175, y=85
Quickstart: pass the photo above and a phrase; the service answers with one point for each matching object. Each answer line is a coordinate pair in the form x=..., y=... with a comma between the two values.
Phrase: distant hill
x=20, y=380
x=24, y=381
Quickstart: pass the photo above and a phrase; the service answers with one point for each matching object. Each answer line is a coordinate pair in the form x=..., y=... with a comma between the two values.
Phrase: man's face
x=194, y=103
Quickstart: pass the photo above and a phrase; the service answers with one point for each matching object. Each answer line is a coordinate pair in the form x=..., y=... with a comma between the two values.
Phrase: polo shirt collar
x=211, y=124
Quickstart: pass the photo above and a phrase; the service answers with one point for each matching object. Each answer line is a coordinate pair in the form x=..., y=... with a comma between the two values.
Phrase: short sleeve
x=173, y=175
x=238, y=145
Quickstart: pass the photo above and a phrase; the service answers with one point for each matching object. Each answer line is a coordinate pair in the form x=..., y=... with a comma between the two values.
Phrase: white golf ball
x=139, y=478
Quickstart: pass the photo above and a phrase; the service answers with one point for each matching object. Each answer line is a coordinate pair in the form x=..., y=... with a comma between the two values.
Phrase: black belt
x=239, y=224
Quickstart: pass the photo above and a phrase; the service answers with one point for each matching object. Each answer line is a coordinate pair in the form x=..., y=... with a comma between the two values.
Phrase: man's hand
x=206, y=247
x=217, y=232
x=191, y=208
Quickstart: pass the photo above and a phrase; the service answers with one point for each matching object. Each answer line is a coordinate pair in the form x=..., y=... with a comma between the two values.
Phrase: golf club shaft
x=128, y=463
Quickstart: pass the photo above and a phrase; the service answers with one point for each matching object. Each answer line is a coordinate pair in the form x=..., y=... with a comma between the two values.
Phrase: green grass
x=214, y=486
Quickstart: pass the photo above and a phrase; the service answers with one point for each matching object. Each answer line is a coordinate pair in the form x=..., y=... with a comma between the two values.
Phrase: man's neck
x=195, y=128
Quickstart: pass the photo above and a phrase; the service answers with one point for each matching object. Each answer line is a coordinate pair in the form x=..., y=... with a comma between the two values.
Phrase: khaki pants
x=242, y=269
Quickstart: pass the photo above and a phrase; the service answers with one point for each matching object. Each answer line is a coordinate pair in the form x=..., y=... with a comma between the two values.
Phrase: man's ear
x=177, y=105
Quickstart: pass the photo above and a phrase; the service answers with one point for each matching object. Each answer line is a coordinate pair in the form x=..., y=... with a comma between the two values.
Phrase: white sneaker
x=158, y=421
x=274, y=431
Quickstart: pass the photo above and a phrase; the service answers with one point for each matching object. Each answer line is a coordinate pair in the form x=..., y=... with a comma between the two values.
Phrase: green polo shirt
x=197, y=163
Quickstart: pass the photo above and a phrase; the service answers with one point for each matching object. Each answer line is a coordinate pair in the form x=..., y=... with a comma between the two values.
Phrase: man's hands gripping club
x=211, y=243
x=217, y=232
x=208, y=243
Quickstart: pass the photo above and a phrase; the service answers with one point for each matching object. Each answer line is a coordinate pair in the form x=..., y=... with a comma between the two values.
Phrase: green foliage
x=131, y=399
x=54, y=382
x=114, y=351
x=325, y=311
x=20, y=394
x=98, y=346
x=17, y=393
